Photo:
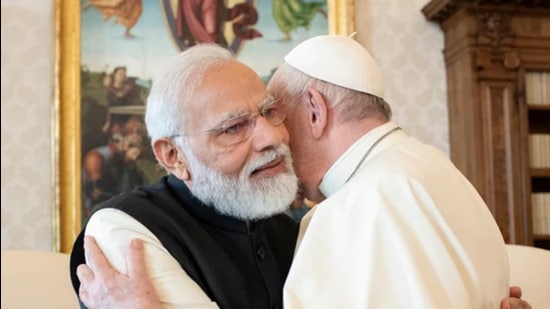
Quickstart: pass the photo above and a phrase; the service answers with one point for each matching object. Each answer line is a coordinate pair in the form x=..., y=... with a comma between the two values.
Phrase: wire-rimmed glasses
x=239, y=127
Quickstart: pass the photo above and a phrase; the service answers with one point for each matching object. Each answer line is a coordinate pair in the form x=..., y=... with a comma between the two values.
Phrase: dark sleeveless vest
x=238, y=264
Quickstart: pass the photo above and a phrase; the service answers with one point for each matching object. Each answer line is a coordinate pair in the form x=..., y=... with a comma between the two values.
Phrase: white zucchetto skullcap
x=338, y=60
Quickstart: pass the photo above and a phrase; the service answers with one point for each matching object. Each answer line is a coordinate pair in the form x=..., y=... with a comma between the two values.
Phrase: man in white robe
x=399, y=226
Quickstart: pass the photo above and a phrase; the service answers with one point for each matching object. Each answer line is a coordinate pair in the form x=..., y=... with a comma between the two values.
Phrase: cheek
x=283, y=130
x=305, y=164
x=300, y=162
x=303, y=169
x=226, y=161
x=230, y=163
x=294, y=124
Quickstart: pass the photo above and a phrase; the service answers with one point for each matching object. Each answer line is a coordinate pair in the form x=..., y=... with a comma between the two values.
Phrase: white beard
x=239, y=197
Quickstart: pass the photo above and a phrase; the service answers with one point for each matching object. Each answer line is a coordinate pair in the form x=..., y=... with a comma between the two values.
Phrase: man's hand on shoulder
x=101, y=286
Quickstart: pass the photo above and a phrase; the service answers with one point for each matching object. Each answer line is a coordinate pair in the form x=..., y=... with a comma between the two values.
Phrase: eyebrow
x=269, y=100
x=227, y=116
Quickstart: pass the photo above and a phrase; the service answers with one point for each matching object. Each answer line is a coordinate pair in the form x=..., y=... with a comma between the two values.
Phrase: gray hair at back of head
x=355, y=105
x=175, y=87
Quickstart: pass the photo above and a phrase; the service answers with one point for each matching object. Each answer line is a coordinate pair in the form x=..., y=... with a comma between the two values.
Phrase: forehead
x=228, y=88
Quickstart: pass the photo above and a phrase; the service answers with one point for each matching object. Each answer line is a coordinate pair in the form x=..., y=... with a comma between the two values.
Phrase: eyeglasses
x=239, y=128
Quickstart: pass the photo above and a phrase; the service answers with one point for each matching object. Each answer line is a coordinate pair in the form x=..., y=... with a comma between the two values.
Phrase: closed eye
x=272, y=110
x=234, y=128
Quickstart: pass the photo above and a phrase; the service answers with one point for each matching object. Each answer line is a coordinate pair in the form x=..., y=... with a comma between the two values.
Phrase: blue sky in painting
x=104, y=46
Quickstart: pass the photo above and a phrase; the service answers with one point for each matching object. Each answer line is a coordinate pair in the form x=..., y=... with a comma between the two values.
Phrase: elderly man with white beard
x=214, y=228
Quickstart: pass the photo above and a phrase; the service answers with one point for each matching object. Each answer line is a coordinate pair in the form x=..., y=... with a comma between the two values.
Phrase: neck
x=339, y=138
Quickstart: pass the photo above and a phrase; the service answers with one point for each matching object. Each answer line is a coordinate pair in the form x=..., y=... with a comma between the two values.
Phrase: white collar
x=341, y=170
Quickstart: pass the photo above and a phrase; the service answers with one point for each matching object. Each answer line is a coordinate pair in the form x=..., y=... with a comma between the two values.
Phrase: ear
x=171, y=158
x=317, y=112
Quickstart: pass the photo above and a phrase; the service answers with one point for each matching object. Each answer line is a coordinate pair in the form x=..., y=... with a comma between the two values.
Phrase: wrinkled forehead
x=245, y=110
x=227, y=89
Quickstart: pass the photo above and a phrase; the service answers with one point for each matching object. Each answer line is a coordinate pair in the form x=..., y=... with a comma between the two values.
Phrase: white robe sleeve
x=114, y=229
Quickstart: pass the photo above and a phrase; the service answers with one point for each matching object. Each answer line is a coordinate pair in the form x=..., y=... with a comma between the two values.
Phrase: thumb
x=515, y=291
x=135, y=259
x=505, y=304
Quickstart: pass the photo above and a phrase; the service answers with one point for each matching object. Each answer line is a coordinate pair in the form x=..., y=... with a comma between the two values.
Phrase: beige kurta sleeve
x=114, y=229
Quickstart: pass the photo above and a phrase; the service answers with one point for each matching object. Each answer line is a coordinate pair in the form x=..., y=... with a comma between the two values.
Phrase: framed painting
x=107, y=54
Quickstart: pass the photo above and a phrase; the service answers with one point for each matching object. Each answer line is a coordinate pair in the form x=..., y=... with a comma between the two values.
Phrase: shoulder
x=406, y=159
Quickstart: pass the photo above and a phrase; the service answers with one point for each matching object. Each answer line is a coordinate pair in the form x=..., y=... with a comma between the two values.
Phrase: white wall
x=409, y=51
x=27, y=70
x=407, y=47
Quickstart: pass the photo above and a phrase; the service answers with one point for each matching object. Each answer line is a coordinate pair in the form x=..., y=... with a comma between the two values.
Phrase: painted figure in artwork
x=205, y=21
x=125, y=12
x=198, y=21
x=112, y=168
x=121, y=90
x=292, y=14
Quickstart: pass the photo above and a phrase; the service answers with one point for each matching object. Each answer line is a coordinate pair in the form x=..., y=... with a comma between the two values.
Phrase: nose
x=265, y=135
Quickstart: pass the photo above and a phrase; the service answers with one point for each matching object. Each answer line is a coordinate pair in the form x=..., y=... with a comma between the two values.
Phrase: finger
x=84, y=298
x=84, y=273
x=515, y=291
x=135, y=259
x=95, y=259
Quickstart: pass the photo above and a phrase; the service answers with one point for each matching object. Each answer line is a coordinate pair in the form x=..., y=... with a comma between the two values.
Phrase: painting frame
x=66, y=125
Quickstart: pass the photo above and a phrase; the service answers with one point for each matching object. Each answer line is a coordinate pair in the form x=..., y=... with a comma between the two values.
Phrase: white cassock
x=406, y=231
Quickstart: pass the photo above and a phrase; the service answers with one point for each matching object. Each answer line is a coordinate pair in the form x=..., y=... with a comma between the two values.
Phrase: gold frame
x=66, y=125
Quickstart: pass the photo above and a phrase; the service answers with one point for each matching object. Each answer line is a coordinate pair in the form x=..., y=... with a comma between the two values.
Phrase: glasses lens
x=239, y=129
x=235, y=130
x=273, y=113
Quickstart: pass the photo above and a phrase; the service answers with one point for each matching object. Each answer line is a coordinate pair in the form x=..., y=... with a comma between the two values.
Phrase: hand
x=514, y=301
x=101, y=286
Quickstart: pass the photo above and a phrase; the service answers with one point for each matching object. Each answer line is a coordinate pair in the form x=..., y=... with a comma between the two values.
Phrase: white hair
x=168, y=99
x=356, y=105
